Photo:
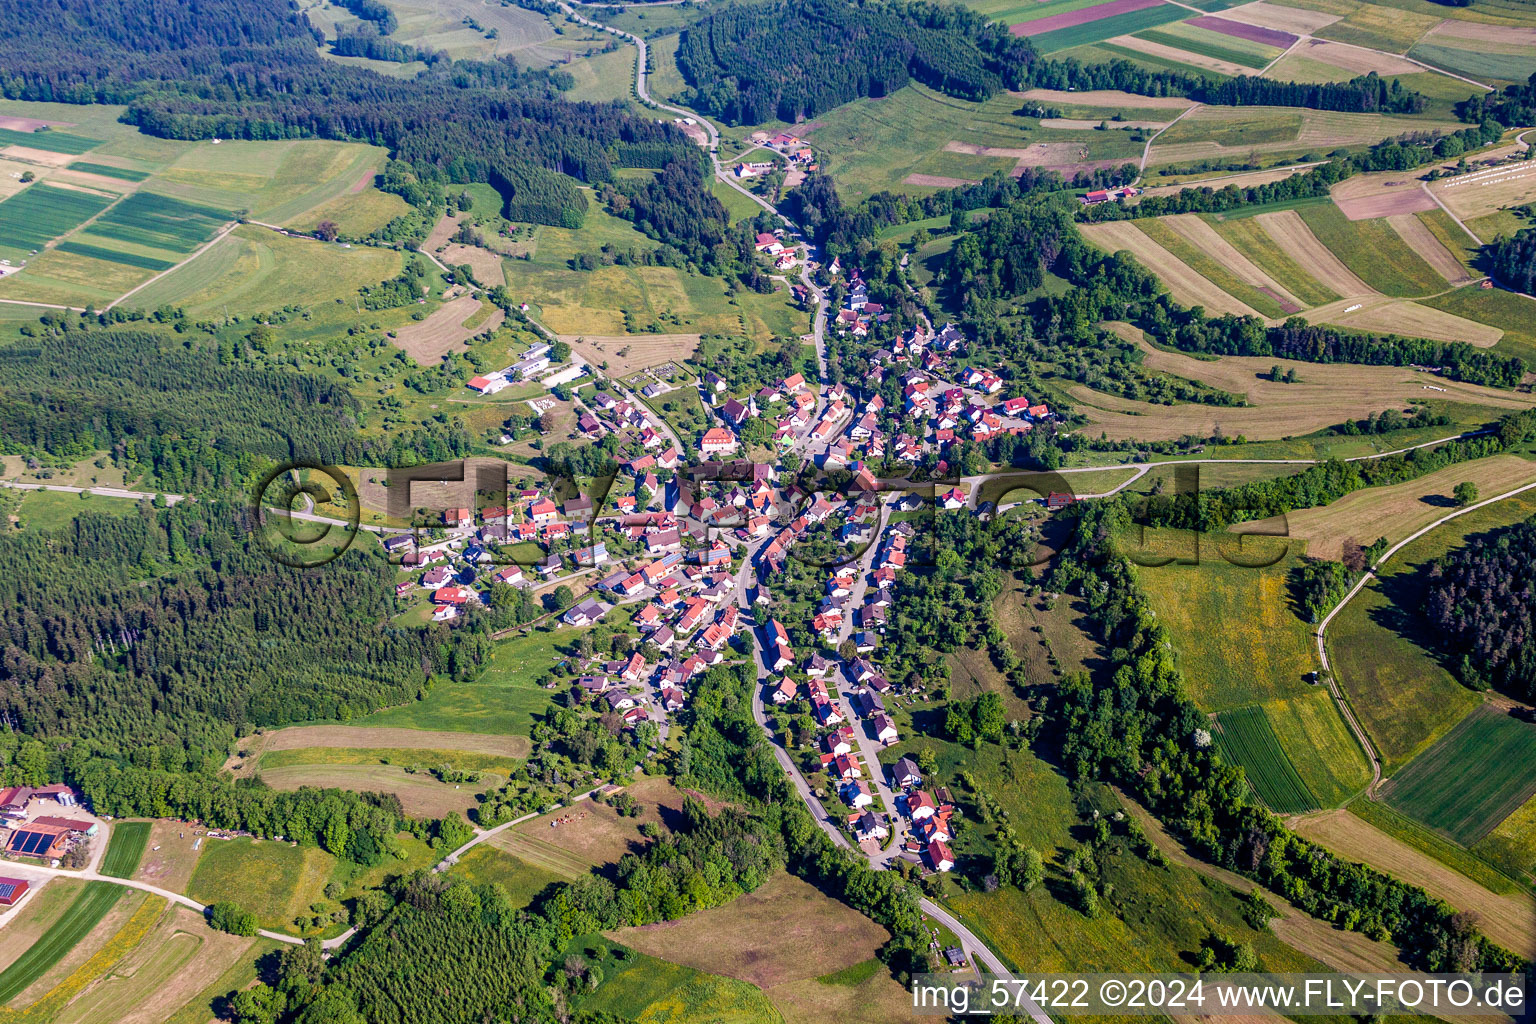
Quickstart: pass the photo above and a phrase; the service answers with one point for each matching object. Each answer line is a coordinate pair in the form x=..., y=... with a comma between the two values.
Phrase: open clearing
x=420, y=794
x=444, y=331
x=1472, y=779
x=1183, y=283
x=626, y=353
x=785, y=931
x=1110, y=99
x=1398, y=510
x=169, y=867
x=273, y=880
x=1508, y=920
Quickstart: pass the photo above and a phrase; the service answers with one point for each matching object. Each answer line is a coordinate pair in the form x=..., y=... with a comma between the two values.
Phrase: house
x=586, y=613
x=817, y=666
x=12, y=890
x=663, y=542
x=618, y=700
x=905, y=774
x=594, y=684
x=782, y=658
x=1057, y=499
x=920, y=805
x=939, y=857
x=885, y=730
x=838, y=741
x=868, y=704
x=450, y=595
x=735, y=412
x=671, y=698
x=952, y=499
x=716, y=441
x=543, y=512
x=826, y=712
x=445, y=612
x=398, y=543
x=458, y=517
x=488, y=385
x=551, y=565
x=856, y=794
x=867, y=826
x=936, y=828
x=597, y=554
x=846, y=767
x=785, y=691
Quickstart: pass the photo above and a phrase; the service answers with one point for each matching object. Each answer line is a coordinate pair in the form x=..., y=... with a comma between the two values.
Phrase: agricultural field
x=1246, y=738
x=273, y=880
x=1105, y=21
x=1473, y=778
x=37, y=215
x=84, y=913
x=1482, y=193
x=1511, y=846
x=421, y=795
x=1404, y=697
x=36, y=917
x=1508, y=918
x=592, y=834
x=446, y=25
x=447, y=329
x=1243, y=649
x=1398, y=510
x=170, y=859
x=126, y=849
x=127, y=927
x=253, y=270
x=1238, y=134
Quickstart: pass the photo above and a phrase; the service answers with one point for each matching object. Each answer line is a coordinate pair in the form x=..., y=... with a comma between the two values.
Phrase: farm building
x=12, y=890
x=1105, y=195
x=42, y=841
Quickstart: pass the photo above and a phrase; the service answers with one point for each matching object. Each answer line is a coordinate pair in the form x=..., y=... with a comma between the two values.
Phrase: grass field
x=1184, y=282
x=1403, y=695
x=41, y=213
x=1513, y=314
x=1216, y=45
x=47, y=510
x=254, y=270
x=159, y=222
x=522, y=880
x=28, y=923
x=651, y=991
x=592, y=834
x=127, y=259
x=1248, y=236
x=399, y=756
x=1396, y=511
x=1246, y=738
x=1473, y=778
x=785, y=931
x=82, y=915
x=273, y=880
x=1374, y=251
x=503, y=700
x=1512, y=845
x=1415, y=834
x=421, y=795
x=228, y=975
x=1507, y=919
x=108, y=171
x=52, y=141
x=1477, y=64
x=126, y=849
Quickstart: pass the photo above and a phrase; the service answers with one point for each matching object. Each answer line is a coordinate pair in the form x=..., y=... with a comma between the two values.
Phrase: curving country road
x=1365, y=578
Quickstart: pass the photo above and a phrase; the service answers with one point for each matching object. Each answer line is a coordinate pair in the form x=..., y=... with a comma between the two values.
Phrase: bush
x=232, y=918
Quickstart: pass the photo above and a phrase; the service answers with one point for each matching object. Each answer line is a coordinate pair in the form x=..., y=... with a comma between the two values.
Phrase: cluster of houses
x=44, y=836
x=791, y=147
x=771, y=244
x=649, y=446
x=1106, y=195
x=930, y=814
x=535, y=361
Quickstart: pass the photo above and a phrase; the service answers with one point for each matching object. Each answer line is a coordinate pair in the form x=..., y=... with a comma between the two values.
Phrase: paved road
x=1322, y=628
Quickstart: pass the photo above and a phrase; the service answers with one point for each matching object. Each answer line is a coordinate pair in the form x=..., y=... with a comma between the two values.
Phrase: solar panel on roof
x=8, y=890
x=32, y=842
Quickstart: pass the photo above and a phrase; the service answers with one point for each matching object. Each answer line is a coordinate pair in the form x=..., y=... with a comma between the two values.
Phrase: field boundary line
x=1365, y=578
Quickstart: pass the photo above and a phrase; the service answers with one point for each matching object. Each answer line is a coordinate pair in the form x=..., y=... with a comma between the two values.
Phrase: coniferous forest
x=1481, y=600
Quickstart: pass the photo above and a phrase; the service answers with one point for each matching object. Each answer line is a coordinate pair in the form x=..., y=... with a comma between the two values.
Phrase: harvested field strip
x=1405, y=829
x=1246, y=738
x=1320, y=745
x=542, y=854
x=421, y=795
x=1199, y=232
x=303, y=736
x=1082, y=16
x=41, y=213
x=126, y=849
x=444, y=331
x=127, y=259
x=1107, y=98
x=1508, y=920
x=1512, y=846
x=1296, y=240
x=1472, y=779
x=1423, y=241
x=1399, y=316
x=1486, y=192
x=52, y=141
x=89, y=908
x=1095, y=31
x=117, y=946
x=148, y=969
x=1248, y=237
x=1476, y=63
x=1375, y=251
x=1202, y=263
x=1183, y=283
x=108, y=171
